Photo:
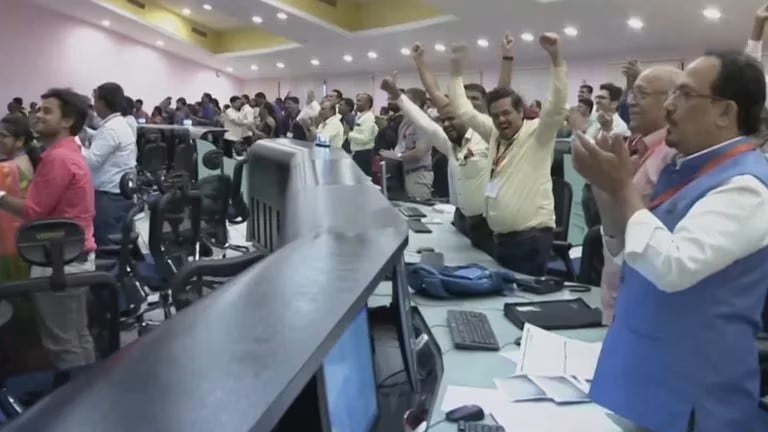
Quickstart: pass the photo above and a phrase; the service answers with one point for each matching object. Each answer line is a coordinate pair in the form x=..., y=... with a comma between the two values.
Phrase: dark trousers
x=228, y=148
x=525, y=252
x=476, y=229
x=111, y=211
x=364, y=160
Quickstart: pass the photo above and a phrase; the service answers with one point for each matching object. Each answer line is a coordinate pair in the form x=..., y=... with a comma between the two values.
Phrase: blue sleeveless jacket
x=670, y=355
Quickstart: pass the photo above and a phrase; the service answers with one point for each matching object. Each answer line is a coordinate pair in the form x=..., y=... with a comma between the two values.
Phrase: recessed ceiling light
x=186, y=11
x=439, y=47
x=207, y=7
x=711, y=13
x=254, y=68
x=159, y=43
x=282, y=15
x=105, y=23
x=571, y=31
x=347, y=58
x=372, y=55
x=635, y=23
x=257, y=19
x=482, y=42
x=405, y=51
x=280, y=65
x=528, y=37
x=230, y=69
x=315, y=62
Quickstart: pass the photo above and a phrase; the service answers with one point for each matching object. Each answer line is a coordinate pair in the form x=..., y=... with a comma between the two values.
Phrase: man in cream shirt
x=330, y=126
x=363, y=136
x=518, y=197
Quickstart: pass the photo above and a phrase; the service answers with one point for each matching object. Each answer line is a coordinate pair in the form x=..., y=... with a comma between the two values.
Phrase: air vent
x=333, y=3
x=199, y=32
x=137, y=3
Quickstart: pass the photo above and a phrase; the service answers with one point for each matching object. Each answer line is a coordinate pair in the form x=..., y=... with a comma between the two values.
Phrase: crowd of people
x=669, y=157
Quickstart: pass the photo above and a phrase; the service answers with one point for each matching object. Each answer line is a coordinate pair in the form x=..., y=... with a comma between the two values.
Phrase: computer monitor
x=401, y=301
x=348, y=384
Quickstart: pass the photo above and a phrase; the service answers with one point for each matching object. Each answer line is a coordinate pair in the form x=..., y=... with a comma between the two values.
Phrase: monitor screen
x=349, y=380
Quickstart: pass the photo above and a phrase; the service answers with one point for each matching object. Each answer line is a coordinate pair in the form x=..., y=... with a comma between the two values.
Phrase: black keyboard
x=479, y=427
x=471, y=331
x=418, y=227
x=412, y=213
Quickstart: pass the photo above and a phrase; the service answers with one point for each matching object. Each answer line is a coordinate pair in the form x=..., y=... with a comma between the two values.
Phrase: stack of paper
x=551, y=367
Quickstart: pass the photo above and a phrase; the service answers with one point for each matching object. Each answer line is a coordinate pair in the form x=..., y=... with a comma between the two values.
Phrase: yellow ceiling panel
x=217, y=42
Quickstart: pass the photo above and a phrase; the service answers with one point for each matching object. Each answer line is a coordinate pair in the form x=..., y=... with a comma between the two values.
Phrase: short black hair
x=112, y=95
x=234, y=99
x=246, y=97
x=348, y=102
x=207, y=95
x=537, y=103
x=260, y=95
x=181, y=100
x=18, y=127
x=587, y=102
x=474, y=87
x=293, y=99
x=370, y=98
x=418, y=96
x=589, y=88
x=338, y=93
x=18, y=100
x=741, y=79
x=74, y=106
x=127, y=107
x=139, y=102
x=500, y=93
x=614, y=91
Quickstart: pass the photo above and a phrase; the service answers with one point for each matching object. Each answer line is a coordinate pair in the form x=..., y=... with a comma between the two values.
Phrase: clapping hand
x=605, y=121
x=576, y=120
x=606, y=164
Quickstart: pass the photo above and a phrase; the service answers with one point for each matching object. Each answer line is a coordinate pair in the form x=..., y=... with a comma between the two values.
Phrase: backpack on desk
x=470, y=280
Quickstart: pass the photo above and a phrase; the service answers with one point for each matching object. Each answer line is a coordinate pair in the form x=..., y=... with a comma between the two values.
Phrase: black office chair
x=561, y=248
x=56, y=243
x=184, y=153
x=592, y=260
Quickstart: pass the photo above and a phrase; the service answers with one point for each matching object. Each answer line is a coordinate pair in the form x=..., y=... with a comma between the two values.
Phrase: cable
x=389, y=377
x=506, y=345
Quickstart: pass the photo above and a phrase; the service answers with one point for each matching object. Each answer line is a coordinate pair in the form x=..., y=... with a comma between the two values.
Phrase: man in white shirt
x=682, y=351
x=362, y=138
x=330, y=127
x=236, y=127
x=608, y=120
x=112, y=153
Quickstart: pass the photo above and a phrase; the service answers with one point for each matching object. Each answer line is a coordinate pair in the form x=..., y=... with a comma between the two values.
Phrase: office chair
x=55, y=243
x=184, y=153
x=563, y=195
x=592, y=260
x=562, y=147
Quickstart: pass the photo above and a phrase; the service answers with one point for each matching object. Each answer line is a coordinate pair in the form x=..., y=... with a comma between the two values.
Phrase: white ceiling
x=671, y=27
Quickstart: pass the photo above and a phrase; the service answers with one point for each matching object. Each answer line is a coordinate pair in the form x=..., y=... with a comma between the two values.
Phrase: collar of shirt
x=362, y=114
x=109, y=118
x=67, y=143
x=680, y=160
x=335, y=117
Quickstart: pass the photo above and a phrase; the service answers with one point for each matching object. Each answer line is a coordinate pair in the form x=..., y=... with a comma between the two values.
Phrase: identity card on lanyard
x=492, y=188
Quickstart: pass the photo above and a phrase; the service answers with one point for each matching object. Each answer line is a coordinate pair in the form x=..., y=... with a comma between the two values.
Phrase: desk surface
x=478, y=368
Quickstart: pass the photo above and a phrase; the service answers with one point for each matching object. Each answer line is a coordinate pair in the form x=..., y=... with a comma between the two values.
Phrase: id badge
x=289, y=135
x=492, y=189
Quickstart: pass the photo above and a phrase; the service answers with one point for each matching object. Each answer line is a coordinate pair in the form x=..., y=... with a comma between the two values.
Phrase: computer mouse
x=465, y=413
x=425, y=249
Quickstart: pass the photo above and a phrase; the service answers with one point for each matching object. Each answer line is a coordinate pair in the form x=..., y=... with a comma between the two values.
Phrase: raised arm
x=507, y=60
x=429, y=129
x=477, y=121
x=554, y=110
x=755, y=42
x=428, y=79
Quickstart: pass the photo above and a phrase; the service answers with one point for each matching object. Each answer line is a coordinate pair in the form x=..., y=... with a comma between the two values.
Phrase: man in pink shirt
x=61, y=188
x=649, y=151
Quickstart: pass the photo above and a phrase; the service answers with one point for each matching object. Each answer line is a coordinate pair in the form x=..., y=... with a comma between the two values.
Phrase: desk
x=479, y=368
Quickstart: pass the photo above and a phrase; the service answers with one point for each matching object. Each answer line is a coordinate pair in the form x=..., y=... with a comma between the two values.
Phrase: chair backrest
x=184, y=153
x=592, y=260
x=238, y=210
x=51, y=243
x=563, y=194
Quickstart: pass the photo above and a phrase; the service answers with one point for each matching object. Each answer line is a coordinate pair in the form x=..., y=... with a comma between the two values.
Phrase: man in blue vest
x=681, y=354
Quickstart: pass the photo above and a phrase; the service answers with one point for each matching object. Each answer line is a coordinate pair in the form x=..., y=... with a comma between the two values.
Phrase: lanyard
x=500, y=156
x=709, y=166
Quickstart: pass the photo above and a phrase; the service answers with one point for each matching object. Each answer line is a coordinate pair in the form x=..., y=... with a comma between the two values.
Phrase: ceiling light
x=105, y=23
x=711, y=13
x=280, y=65
x=315, y=62
x=254, y=68
x=528, y=37
x=405, y=51
x=635, y=23
x=347, y=58
x=282, y=16
x=230, y=69
x=439, y=47
x=186, y=11
x=483, y=43
x=257, y=19
x=372, y=55
x=207, y=7
x=571, y=31
x=159, y=43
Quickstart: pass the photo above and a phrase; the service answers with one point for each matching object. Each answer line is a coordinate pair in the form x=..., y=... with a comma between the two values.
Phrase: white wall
x=531, y=82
